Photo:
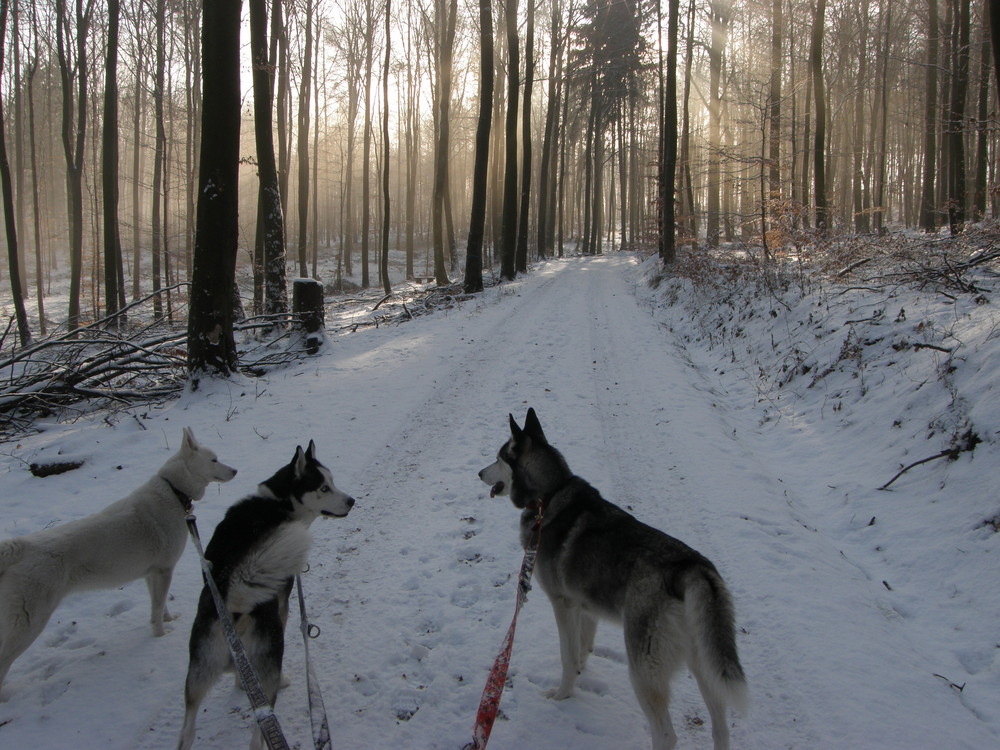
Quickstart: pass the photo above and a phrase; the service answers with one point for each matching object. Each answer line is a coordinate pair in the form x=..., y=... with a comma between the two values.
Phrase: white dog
x=140, y=536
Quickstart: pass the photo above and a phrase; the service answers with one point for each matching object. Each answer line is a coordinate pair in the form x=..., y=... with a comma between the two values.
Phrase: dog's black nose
x=350, y=502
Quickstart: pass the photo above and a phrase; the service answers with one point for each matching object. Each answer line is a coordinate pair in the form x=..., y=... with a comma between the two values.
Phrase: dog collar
x=186, y=501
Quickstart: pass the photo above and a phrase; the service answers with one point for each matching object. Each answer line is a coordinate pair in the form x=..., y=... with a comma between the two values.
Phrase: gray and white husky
x=597, y=561
x=140, y=536
x=256, y=551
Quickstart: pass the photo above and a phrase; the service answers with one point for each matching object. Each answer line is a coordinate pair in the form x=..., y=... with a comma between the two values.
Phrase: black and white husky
x=256, y=551
x=597, y=561
x=140, y=536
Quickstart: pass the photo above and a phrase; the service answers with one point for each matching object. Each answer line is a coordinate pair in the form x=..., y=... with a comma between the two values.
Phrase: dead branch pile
x=126, y=361
x=964, y=264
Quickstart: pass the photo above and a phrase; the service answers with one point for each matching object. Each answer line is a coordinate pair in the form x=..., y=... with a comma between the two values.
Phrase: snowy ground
x=866, y=619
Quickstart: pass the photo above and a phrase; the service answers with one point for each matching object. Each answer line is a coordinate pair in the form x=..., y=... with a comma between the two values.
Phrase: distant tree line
x=477, y=135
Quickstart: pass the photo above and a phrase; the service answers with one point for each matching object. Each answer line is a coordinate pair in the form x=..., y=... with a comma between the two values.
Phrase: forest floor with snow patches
x=752, y=412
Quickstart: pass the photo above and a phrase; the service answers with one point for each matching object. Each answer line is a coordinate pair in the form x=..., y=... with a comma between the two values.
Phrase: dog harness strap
x=317, y=709
x=489, y=704
x=263, y=711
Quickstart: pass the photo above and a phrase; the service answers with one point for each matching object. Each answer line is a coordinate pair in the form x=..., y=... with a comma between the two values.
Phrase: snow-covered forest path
x=414, y=590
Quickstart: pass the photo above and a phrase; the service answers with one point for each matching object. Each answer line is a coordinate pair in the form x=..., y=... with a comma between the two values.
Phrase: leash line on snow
x=489, y=704
x=263, y=711
x=317, y=709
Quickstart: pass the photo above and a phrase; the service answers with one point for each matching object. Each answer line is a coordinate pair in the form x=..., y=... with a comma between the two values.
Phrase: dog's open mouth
x=496, y=489
x=331, y=514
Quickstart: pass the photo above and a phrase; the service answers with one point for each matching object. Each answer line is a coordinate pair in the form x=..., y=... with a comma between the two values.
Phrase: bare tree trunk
x=994, y=13
x=7, y=186
x=114, y=295
x=137, y=94
x=982, y=147
x=928, y=219
x=861, y=216
x=521, y=252
x=883, y=155
x=366, y=218
x=446, y=14
x=688, y=205
x=819, y=149
x=477, y=221
x=159, y=155
x=270, y=221
x=211, y=347
x=279, y=59
x=546, y=171
x=668, y=150
x=74, y=135
x=774, y=134
x=720, y=23
x=33, y=161
x=956, y=115
x=305, y=88
x=384, y=261
x=508, y=249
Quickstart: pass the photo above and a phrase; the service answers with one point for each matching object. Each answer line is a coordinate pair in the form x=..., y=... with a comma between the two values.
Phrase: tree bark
x=508, y=248
x=305, y=88
x=819, y=89
x=521, y=252
x=113, y=293
x=270, y=222
x=477, y=221
x=211, y=347
x=7, y=186
x=928, y=212
x=384, y=262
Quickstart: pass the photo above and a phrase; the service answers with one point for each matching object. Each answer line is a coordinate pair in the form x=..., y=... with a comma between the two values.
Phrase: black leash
x=263, y=711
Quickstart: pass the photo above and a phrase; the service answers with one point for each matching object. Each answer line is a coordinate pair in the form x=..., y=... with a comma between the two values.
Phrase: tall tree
x=74, y=131
x=211, y=346
x=366, y=218
x=928, y=211
x=159, y=153
x=720, y=25
x=114, y=292
x=955, y=126
x=384, y=259
x=819, y=148
x=521, y=253
x=774, y=97
x=305, y=88
x=546, y=172
x=477, y=221
x=270, y=218
x=447, y=13
x=668, y=148
x=7, y=187
x=508, y=232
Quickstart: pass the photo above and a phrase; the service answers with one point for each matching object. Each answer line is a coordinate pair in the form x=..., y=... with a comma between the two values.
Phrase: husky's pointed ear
x=188, y=440
x=532, y=426
x=299, y=461
x=311, y=451
x=515, y=431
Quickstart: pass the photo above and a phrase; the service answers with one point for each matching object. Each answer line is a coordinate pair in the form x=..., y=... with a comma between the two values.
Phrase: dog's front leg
x=158, y=582
x=568, y=620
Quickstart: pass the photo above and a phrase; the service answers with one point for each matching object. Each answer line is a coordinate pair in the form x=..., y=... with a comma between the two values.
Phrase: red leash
x=489, y=704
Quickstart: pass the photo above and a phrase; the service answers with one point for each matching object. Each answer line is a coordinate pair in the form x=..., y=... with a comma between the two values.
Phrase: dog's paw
x=558, y=694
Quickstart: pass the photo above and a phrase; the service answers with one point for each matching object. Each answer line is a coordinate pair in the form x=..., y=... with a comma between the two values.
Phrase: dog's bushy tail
x=708, y=609
x=268, y=566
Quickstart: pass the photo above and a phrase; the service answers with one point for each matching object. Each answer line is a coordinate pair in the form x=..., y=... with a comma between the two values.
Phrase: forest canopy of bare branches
x=904, y=135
